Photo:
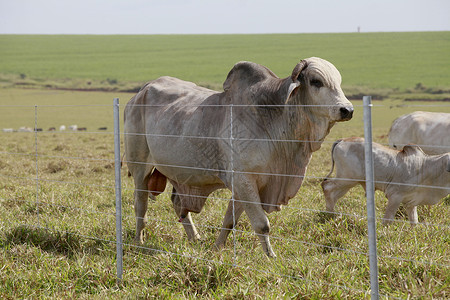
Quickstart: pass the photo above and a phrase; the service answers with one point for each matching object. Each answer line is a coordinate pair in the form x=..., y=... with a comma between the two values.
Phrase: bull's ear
x=291, y=89
x=295, y=78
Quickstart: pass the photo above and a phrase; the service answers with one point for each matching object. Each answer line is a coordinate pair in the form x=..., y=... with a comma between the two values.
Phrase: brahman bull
x=409, y=176
x=429, y=130
x=255, y=138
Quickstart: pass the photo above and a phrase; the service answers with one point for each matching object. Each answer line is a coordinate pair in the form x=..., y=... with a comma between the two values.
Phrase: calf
x=409, y=176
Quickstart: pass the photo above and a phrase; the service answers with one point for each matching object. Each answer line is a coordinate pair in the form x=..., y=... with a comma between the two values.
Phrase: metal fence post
x=118, y=189
x=37, y=163
x=232, y=183
x=370, y=191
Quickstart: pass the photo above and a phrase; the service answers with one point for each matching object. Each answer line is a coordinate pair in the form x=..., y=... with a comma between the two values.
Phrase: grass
x=67, y=250
x=57, y=237
x=387, y=62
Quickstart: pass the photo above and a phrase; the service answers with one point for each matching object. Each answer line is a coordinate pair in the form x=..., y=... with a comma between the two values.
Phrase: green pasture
x=57, y=237
x=57, y=233
x=388, y=62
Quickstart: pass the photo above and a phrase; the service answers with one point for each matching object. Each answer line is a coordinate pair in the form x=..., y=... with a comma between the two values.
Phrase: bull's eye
x=316, y=82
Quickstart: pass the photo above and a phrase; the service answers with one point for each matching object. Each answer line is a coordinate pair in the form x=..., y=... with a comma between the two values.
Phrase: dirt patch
x=56, y=166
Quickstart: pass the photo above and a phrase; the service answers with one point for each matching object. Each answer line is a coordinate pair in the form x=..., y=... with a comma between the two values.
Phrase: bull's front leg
x=333, y=190
x=261, y=225
x=229, y=222
x=412, y=214
x=247, y=193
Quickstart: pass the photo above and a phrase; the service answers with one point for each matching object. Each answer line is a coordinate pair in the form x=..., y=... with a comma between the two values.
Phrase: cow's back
x=166, y=90
x=182, y=126
x=167, y=102
x=429, y=130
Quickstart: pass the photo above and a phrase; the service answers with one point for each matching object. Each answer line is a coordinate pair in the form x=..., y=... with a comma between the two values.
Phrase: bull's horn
x=298, y=69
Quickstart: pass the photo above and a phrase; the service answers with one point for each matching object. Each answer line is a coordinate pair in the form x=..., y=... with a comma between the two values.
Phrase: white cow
x=409, y=176
x=429, y=130
x=25, y=129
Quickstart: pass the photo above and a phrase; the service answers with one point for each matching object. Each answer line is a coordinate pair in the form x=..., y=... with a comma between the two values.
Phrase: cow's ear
x=412, y=149
x=296, y=78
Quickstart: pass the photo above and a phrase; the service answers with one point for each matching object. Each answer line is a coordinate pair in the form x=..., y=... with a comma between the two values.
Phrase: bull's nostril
x=346, y=113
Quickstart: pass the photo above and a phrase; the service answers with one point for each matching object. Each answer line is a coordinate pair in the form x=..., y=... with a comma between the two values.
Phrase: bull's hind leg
x=188, y=225
x=334, y=189
x=228, y=223
x=140, y=210
x=137, y=156
x=391, y=208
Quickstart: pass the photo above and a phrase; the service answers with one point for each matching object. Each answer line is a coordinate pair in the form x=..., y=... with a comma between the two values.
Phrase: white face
x=323, y=84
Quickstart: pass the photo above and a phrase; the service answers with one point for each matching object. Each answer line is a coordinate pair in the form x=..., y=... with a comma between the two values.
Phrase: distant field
x=394, y=61
x=94, y=109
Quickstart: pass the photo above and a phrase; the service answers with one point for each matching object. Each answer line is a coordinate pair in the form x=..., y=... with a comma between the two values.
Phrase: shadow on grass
x=149, y=248
x=65, y=243
x=323, y=217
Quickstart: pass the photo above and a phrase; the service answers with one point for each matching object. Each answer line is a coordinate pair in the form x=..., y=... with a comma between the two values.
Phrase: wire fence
x=45, y=192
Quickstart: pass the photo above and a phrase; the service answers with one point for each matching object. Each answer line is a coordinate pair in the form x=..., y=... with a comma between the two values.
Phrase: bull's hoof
x=271, y=254
x=137, y=243
x=217, y=247
x=194, y=238
x=325, y=216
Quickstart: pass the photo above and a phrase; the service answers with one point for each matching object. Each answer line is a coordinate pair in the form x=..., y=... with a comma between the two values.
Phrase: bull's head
x=318, y=83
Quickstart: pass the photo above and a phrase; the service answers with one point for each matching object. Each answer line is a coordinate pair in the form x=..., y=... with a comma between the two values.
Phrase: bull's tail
x=332, y=159
x=121, y=160
x=121, y=163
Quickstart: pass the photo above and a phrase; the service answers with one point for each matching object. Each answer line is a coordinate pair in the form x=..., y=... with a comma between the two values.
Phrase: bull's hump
x=246, y=73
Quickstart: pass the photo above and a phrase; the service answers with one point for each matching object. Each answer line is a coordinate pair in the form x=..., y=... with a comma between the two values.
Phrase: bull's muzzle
x=346, y=113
